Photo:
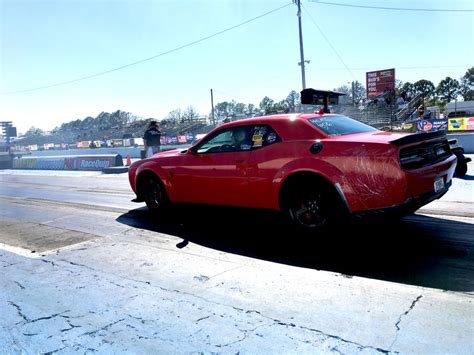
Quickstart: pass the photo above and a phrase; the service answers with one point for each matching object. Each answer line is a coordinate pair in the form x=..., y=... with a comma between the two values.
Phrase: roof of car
x=273, y=118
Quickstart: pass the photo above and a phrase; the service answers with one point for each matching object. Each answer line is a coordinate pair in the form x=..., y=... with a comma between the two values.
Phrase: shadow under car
x=415, y=250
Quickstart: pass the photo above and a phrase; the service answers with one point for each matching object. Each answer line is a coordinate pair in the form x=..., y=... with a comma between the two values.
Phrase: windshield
x=340, y=125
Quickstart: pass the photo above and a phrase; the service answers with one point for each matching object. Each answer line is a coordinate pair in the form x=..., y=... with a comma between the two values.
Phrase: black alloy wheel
x=309, y=210
x=154, y=194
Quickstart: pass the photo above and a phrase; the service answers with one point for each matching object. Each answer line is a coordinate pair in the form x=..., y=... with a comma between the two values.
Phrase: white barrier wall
x=78, y=162
x=123, y=151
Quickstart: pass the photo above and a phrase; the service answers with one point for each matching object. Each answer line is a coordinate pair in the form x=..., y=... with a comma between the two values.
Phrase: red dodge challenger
x=312, y=167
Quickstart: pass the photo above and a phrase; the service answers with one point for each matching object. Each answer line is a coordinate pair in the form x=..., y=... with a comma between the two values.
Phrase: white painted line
x=19, y=251
x=29, y=254
x=50, y=172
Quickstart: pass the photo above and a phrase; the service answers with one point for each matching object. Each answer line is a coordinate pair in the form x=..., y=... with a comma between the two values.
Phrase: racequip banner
x=90, y=163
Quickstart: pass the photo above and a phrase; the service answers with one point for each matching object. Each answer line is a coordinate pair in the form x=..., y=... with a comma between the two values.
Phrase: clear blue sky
x=48, y=42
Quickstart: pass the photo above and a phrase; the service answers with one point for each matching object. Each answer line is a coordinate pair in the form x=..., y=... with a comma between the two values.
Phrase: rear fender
x=318, y=167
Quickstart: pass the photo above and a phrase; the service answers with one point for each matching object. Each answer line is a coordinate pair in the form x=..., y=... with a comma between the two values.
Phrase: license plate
x=439, y=184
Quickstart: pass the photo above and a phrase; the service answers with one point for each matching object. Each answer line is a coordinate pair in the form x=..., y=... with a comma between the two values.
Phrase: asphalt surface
x=82, y=266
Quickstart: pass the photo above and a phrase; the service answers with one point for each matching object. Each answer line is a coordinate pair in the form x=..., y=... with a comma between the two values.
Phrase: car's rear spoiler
x=418, y=137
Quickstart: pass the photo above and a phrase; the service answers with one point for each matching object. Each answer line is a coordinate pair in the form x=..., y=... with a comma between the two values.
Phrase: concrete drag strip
x=112, y=296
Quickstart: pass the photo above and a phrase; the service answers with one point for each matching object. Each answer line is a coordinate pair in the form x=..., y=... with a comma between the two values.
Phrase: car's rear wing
x=418, y=137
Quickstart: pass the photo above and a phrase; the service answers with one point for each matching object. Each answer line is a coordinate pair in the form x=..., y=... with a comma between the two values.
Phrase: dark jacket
x=152, y=136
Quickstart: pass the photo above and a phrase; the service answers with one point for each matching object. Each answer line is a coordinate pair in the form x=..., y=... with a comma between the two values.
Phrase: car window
x=230, y=140
x=241, y=138
x=264, y=135
x=214, y=143
x=340, y=125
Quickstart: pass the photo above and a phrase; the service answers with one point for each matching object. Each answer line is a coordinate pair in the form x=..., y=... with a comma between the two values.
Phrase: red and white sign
x=378, y=82
x=470, y=123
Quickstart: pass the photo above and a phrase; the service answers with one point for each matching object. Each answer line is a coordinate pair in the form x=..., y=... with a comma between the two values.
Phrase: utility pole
x=303, y=78
x=212, y=106
x=353, y=94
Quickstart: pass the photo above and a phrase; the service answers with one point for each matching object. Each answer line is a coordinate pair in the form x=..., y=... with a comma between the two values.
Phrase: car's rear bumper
x=409, y=206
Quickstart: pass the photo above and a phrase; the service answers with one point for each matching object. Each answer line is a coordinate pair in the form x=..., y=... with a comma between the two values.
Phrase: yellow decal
x=257, y=140
x=457, y=124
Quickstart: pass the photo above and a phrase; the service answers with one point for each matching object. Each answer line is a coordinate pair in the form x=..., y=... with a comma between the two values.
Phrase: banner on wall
x=94, y=163
x=432, y=125
x=461, y=124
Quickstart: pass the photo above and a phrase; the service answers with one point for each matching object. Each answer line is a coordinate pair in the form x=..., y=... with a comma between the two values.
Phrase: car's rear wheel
x=308, y=210
x=154, y=193
x=311, y=205
x=461, y=168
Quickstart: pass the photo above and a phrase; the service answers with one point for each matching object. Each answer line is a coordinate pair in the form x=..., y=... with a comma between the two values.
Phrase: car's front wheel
x=154, y=193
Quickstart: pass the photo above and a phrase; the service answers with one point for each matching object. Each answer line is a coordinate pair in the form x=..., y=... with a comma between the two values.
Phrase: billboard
x=379, y=82
x=461, y=124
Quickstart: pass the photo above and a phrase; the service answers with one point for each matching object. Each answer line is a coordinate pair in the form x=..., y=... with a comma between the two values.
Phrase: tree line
x=447, y=90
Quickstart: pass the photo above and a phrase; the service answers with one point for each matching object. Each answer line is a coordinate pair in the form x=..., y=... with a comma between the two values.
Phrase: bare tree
x=190, y=114
x=175, y=116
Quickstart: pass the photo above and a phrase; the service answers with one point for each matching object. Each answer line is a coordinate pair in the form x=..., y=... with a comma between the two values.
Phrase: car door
x=265, y=160
x=215, y=172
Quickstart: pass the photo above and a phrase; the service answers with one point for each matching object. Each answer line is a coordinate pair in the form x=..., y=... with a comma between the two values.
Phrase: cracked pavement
x=99, y=299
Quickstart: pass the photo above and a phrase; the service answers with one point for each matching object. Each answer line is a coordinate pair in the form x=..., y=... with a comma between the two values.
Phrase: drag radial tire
x=461, y=168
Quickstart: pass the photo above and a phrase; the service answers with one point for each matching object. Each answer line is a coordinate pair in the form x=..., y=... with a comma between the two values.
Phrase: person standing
x=152, y=139
x=420, y=110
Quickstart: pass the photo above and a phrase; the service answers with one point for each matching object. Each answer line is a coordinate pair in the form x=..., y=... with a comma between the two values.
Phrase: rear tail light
x=425, y=154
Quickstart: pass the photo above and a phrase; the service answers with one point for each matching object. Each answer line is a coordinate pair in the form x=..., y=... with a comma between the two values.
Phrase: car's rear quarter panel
x=372, y=177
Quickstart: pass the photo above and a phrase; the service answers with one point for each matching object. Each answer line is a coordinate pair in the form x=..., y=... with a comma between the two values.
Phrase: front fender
x=155, y=168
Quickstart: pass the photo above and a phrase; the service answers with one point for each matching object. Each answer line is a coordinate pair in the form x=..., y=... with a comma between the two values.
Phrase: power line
x=415, y=67
x=329, y=42
x=149, y=58
x=391, y=8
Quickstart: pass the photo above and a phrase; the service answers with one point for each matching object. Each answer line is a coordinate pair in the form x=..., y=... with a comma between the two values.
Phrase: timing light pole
x=302, y=63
